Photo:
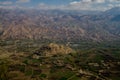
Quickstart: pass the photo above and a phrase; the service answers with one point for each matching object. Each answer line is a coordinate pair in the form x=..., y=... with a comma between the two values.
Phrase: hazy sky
x=60, y=4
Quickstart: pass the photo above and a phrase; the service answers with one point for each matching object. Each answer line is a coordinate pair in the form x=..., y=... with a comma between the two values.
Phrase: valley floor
x=33, y=63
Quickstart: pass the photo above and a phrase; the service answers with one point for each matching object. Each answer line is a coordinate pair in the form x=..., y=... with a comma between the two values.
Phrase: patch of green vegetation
x=22, y=68
x=36, y=61
x=43, y=75
x=3, y=70
x=63, y=74
x=63, y=78
x=25, y=61
x=29, y=72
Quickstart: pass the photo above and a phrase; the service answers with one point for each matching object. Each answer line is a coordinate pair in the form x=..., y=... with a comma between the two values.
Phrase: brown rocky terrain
x=57, y=26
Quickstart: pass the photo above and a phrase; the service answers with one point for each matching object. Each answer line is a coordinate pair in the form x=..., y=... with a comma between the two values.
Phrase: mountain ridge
x=34, y=24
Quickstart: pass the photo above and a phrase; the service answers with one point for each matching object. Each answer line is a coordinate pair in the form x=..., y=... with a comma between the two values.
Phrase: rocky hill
x=53, y=49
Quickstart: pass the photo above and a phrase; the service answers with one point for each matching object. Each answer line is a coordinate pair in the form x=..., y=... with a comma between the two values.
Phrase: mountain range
x=59, y=25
